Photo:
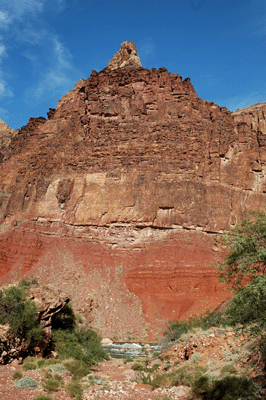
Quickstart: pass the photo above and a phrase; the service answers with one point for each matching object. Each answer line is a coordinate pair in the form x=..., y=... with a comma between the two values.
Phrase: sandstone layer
x=120, y=192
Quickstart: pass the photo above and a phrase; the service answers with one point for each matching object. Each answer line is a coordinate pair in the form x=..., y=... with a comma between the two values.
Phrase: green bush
x=79, y=369
x=41, y=397
x=248, y=306
x=247, y=251
x=26, y=383
x=80, y=344
x=229, y=388
x=17, y=310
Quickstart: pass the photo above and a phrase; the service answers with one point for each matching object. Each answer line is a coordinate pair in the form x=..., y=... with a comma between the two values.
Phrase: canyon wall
x=119, y=194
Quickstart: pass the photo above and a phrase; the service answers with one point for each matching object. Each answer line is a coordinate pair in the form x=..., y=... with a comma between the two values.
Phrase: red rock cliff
x=123, y=185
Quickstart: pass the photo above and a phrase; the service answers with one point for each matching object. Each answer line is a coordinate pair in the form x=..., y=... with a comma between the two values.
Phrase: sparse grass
x=52, y=383
x=42, y=397
x=17, y=375
x=75, y=390
x=137, y=367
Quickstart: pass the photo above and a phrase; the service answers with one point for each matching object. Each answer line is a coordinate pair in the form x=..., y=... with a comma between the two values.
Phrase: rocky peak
x=254, y=116
x=125, y=56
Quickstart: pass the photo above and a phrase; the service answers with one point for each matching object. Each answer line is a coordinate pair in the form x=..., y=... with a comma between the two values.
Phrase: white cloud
x=146, y=49
x=3, y=114
x=16, y=9
x=5, y=91
x=22, y=24
x=242, y=101
x=4, y=20
x=58, y=76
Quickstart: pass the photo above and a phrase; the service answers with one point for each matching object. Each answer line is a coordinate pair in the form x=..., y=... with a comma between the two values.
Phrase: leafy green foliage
x=81, y=344
x=248, y=306
x=26, y=383
x=247, y=256
x=205, y=321
x=17, y=310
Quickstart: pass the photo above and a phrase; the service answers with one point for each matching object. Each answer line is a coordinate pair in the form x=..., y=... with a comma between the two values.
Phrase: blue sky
x=48, y=45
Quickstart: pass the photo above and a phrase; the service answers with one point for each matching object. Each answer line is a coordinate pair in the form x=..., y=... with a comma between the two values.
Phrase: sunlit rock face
x=119, y=193
x=127, y=55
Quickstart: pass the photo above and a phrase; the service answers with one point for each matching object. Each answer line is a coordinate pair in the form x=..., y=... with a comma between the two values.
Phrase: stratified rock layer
x=123, y=185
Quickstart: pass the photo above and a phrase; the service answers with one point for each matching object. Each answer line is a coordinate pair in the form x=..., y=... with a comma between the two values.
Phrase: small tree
x=247, y=251
x=17, y=310
x=245, y=269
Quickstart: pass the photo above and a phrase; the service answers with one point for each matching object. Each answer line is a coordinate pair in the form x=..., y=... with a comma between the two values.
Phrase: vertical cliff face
x=124, y=185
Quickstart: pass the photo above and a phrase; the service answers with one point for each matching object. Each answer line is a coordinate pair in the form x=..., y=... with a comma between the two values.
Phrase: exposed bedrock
x=131, y=172
x=127, y=292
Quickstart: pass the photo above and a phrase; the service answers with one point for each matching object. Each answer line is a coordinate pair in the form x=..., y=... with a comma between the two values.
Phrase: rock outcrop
x=127, y=55
x=120, y=192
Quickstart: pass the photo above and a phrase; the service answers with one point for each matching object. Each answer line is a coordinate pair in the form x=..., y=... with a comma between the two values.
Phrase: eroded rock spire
x=125, y=56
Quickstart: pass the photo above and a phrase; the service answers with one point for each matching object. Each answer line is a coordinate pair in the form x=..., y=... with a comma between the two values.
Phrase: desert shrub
x=17, y=310
x=17, y=375
x=80, y=344
x=128, y=360
x=52, y=383
x=75, y=390
x=29, y=363
x=201, y=385
x=155, y=366
x=79, y=369
x=26, y=383
x=41, y=362
x=230, y=387
x=137, y=367
x=145, y=378
x=228, y=369
x=196, y=358
x=27, y=282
